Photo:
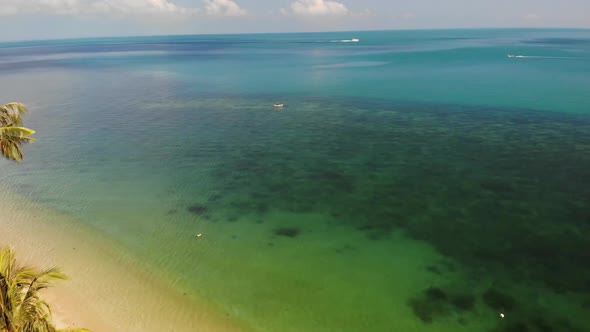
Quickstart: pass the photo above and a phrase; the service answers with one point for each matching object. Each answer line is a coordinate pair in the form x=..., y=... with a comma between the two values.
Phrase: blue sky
x=44, y=19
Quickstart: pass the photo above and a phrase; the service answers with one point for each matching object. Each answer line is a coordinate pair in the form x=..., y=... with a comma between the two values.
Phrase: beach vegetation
x=22, y=309
x=12, y=134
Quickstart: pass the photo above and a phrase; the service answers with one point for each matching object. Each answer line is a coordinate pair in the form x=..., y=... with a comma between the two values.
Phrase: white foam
x=546, y=57
x=353, y=40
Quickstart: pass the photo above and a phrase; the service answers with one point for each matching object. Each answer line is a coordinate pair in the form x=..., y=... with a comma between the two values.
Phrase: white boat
x=355, y=40
x=279, y=105
x=511, y=56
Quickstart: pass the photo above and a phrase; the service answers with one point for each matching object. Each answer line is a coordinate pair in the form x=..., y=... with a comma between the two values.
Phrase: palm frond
x=21, y=132
x=37, y=325
x=12, y=134
x=21, y=306
x=10, y=114
x=11, y=139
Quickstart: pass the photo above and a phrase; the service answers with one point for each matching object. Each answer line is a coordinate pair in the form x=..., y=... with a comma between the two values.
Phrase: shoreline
x=106, y=290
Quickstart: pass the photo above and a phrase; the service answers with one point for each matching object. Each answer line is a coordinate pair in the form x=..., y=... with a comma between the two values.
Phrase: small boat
x=511, y=56
x=355, y=40
x=279, y=105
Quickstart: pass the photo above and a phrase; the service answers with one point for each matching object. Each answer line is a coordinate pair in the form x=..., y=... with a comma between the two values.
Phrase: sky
x=49, y=19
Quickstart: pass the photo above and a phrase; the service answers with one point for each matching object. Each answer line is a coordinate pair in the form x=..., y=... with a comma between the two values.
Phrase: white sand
x=106, y=291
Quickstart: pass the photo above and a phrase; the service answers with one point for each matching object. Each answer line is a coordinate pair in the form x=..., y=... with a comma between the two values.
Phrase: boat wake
x=353, y=40
x=546, y=57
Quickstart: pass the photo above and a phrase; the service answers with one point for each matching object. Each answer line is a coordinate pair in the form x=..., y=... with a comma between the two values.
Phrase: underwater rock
x=433, y=269
x=287, y=231
x=344, y=248
x=497, y=186
x=214, y=198
x=334, y=180
x=279, y=188
x=259, y=195
x=541, y=325
x=427, y=310
x=515, y=327
x=436, y=303
x=261, y=208
x=376, y=236
x=435, y=294
x=464, y=302
x=348, y=247
x=198, y=209
x=369, y=227
x=498, y=300
x=422, y=310
x=460, y=185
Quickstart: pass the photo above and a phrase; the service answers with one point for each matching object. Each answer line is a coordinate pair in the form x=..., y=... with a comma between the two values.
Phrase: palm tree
x=21, y=307
x=12, y=134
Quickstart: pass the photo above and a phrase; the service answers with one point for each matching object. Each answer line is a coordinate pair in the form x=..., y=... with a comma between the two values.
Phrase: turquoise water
x=415, y=181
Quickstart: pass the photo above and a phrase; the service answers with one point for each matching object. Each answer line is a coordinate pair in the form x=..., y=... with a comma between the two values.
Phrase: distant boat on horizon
x=353, y=40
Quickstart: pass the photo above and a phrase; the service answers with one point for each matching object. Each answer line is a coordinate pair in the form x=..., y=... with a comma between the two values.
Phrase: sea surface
x=413, y=181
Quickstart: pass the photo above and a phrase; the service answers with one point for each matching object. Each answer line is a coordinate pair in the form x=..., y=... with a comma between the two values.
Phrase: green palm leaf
x=11, y=140
x=10, y=114
x=21, y=307
x=12, y=134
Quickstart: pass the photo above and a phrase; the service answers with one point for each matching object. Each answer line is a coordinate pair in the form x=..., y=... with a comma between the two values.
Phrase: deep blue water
x=453, y=66
x=415, y=180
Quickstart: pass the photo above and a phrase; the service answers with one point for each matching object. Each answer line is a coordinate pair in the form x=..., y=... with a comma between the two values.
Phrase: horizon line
x=284, y=33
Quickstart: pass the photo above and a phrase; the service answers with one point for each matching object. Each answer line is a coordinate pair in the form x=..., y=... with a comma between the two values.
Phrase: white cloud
x=60, y=7
x=117, y=7
x=223, y=8
x=8, y=9
x=137, y=7
x=317, y=8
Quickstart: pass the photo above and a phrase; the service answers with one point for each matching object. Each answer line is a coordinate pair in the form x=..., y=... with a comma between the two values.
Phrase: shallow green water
x=416, y=181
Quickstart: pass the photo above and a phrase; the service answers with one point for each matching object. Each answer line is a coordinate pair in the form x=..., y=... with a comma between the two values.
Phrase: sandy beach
x=106, y=291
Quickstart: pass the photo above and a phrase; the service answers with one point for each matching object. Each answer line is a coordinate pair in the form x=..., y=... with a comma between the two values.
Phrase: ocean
x=413, y=180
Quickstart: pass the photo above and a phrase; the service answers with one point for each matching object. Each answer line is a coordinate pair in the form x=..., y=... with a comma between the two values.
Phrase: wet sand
x=106, y=291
